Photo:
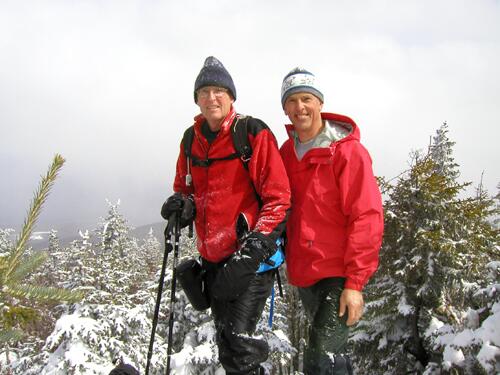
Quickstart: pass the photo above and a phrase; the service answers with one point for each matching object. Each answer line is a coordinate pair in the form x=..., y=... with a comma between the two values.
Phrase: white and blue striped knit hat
x=299, y=80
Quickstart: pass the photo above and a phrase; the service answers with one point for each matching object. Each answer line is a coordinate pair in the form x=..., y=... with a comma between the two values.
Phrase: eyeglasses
x=218, y=92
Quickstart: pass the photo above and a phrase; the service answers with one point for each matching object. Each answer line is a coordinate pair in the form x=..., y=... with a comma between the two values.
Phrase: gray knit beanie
x=299, y=80
x=213, y=73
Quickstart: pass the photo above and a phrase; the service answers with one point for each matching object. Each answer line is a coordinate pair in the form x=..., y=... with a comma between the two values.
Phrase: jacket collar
x=337, y=128
x=199, y=119
x=226, y=123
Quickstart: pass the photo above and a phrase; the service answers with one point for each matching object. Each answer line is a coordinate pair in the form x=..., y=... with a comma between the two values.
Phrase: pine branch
x=43, y=294
x=27, y=266
x=33, y=213
x=10, y=334
x=4, y=264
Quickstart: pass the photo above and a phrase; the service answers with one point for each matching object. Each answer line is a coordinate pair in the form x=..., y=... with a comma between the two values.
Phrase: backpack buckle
x=204, y=163
x=246, y=154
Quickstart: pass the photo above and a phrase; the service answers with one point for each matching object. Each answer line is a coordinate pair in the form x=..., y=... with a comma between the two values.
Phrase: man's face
x=304, y=111
x=215, y=103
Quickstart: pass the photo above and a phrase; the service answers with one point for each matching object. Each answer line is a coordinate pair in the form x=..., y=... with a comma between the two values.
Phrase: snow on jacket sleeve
x=361, y=203
x=270, y=180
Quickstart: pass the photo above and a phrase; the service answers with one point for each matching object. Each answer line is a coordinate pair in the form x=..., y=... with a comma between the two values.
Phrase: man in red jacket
x=335, y=227
x=223, y=190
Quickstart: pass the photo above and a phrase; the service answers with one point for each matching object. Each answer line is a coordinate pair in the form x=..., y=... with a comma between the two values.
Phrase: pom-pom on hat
x=213, y=73
x=299, y=80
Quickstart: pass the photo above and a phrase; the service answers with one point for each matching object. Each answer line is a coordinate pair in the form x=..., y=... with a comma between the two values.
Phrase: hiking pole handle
x=171, y=225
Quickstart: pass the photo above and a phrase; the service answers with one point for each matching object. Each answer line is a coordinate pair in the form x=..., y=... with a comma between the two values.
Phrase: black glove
x=235, y=276
x=179, y=203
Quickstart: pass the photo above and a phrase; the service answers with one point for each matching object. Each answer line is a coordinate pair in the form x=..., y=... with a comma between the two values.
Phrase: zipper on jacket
x=207, y=150
x=205, y=200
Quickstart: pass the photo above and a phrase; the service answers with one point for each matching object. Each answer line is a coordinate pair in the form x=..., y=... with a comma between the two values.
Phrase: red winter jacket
x=336, y=222
x=225, y=188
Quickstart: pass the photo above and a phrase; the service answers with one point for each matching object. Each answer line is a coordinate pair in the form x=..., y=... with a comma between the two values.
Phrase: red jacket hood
x=337, y=123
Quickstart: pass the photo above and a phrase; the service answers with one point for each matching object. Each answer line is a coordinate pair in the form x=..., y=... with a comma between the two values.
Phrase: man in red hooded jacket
x=225, y=190
x=335, y=227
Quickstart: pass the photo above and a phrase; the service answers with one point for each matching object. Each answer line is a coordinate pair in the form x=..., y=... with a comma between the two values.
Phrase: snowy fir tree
x=436, y=249
x=5, y=241
x=113, y=321
x=293, y=324
x=113, y=231
x=54, y=245
x=151, y=248
x=496, y=218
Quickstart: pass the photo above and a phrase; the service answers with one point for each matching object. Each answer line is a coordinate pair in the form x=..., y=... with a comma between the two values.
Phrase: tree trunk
x=415, y=346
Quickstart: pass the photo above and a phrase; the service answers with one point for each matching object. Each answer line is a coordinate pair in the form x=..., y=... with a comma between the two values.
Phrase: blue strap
x=271, y=309
x=272, y=263
x=275, y=260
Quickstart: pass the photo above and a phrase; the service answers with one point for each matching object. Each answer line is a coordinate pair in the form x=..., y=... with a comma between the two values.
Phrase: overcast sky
x=109, y=85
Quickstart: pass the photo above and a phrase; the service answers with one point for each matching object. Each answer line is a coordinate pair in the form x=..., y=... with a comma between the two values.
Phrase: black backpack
x=239, y=134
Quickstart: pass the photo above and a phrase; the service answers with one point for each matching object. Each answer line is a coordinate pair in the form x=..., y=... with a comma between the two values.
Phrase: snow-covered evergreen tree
x=54, y=245
x=293, y=324
x=113, y=231
x=283, y=357
x=151, y=250
x=436, y=247
x=5, y=241
x=113, y=322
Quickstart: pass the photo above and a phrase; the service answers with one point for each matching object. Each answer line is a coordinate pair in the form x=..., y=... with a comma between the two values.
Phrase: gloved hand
x=179, y=203
x=235, y=276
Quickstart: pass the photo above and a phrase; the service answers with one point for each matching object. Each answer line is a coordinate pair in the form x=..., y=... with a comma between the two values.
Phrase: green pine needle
x=43, y=294
x=34, y=211
x=15, y=267
x=27, y=266
x=10, y=335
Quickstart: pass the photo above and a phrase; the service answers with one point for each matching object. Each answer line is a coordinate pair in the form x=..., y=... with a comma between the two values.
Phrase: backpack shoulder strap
x=187, y=140
x=239, y=133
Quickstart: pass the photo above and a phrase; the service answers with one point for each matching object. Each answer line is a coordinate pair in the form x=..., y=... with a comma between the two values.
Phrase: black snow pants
x=235, y=322
x=326, y=350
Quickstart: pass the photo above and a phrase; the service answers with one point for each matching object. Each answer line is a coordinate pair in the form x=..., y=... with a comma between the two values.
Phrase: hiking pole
x=168, y=249
x=173, y=299
x=278, y=278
